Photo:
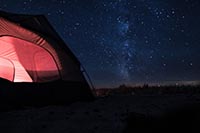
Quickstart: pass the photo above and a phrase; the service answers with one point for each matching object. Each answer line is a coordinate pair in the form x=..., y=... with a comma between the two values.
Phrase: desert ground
x=106, y=114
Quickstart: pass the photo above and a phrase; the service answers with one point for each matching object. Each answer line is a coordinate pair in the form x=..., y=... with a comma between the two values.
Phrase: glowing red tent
x=32, y=52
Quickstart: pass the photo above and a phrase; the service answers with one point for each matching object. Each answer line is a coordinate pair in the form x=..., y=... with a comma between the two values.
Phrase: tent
x=34, y=60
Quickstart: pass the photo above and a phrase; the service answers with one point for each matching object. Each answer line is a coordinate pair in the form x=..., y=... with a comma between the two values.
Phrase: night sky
x=125, y=41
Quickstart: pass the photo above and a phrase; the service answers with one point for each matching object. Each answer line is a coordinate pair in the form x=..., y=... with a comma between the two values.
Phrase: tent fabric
x=31, y=51
x=7, y=69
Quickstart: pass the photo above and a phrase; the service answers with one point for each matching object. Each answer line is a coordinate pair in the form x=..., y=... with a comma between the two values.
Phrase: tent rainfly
x=34, y=60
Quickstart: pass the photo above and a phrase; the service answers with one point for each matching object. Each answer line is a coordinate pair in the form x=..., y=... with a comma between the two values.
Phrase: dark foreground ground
x=125, y=113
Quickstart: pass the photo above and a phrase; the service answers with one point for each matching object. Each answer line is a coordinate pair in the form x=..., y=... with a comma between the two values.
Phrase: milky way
x=125, y=41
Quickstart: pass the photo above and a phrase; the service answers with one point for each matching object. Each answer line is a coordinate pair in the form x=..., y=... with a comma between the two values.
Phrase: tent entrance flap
x=23, y=61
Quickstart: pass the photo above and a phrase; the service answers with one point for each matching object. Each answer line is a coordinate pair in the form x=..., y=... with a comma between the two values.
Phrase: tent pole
x=89, y=79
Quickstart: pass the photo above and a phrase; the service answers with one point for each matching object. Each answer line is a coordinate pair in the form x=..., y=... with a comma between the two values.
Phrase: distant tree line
x=146, y=89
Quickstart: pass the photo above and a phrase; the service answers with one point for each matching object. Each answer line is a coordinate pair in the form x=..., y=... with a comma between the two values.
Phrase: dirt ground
x=104, y=115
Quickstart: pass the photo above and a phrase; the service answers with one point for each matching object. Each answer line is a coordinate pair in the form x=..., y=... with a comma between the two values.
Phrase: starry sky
x=125, y=41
